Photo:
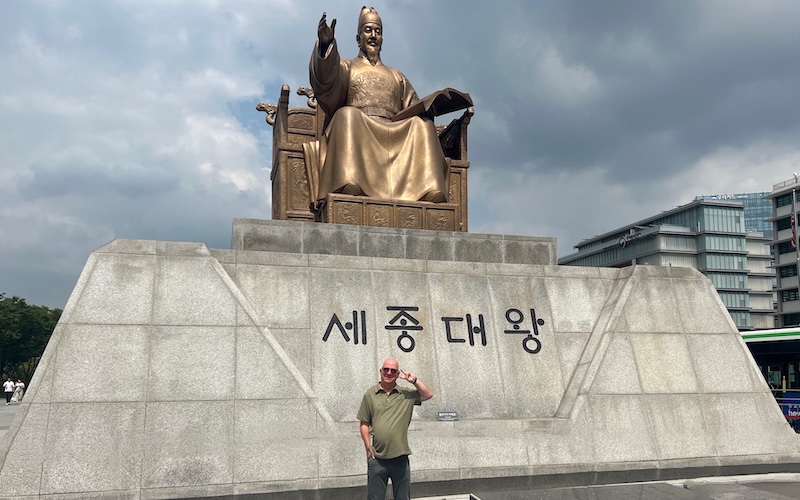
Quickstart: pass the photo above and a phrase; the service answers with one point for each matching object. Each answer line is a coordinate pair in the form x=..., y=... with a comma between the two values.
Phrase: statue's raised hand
x=325, y=33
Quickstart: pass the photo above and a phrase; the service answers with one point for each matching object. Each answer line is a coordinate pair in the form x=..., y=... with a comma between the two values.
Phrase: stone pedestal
x=177, y=371
x=360, y=241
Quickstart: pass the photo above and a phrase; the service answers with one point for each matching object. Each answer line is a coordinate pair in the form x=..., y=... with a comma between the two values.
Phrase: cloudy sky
x=136, y=118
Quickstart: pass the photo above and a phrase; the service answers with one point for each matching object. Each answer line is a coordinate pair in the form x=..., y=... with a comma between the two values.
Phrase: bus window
x=774, y=376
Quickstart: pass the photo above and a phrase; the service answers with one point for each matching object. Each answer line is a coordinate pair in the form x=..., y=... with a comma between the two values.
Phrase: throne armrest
x=453, y=137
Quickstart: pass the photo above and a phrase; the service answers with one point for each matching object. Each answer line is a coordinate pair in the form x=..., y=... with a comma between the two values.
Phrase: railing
x=789, y=182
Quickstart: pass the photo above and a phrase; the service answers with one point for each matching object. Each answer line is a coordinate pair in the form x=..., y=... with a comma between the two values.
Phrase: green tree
x=24, y=332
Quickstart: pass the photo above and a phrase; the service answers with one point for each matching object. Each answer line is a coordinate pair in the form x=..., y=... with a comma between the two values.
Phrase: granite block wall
x=180, y=372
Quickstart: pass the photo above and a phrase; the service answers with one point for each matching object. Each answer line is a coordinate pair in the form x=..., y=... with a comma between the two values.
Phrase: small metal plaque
x=447, y=416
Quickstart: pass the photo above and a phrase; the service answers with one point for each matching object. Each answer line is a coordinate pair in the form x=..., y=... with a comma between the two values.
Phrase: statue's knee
x=346, y=114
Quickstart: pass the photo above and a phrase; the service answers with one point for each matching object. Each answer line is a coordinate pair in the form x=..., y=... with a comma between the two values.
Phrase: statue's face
x=370, y=38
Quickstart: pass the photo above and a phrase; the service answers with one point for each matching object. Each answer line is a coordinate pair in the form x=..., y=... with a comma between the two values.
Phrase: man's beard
x=373, y=55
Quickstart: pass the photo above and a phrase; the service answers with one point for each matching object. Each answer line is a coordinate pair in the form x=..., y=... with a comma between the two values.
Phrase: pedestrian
x=384, y=417
x=8, y=387
x=19, y=391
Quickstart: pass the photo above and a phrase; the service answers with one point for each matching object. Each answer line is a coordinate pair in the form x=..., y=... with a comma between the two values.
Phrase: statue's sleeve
x=330, y=78
x=409, y=94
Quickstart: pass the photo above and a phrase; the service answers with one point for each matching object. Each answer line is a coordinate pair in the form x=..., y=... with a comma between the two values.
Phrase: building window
x=758, y=266
x=784, y=223
x=787, y=271
x=791, y=319
x=783, y=200
x=735, y=243
x=722, y=261
x=725, y=280
x=740, y=318
x=785, y=247
x=733, y=299
x=789, y=295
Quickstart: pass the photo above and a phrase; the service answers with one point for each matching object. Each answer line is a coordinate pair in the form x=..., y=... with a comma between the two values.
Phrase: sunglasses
x=389, y=371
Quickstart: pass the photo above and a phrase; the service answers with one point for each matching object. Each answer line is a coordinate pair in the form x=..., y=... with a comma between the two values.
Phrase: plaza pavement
x=751, y=487
x=7, y=413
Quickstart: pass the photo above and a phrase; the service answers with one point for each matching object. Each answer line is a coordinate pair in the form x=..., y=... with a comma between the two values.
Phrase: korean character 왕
x=530, y=343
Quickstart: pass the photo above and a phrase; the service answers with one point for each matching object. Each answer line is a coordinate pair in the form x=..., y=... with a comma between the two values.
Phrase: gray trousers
x=379, y=471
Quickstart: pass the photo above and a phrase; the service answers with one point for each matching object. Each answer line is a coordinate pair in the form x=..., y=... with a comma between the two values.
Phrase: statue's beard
x=373, y=55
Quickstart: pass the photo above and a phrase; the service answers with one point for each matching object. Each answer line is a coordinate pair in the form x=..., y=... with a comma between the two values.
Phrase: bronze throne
x=293, y=182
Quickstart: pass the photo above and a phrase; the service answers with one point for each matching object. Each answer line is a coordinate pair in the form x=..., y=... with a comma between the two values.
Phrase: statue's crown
x=368, y=15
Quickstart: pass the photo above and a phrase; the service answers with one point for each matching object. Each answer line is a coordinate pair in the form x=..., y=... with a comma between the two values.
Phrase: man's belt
x=377, y=112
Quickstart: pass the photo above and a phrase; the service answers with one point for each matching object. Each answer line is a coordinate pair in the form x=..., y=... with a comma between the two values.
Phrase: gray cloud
x=49, y=181
x=136, y=118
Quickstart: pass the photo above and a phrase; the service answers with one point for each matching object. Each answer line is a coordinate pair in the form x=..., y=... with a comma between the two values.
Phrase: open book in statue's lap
x=379, y=138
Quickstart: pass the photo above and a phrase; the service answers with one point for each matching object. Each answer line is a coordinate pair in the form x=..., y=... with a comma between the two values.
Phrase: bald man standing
x=384, y=417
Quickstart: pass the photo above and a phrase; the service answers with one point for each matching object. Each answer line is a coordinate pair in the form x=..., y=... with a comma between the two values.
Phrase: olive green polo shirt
x=389, y=415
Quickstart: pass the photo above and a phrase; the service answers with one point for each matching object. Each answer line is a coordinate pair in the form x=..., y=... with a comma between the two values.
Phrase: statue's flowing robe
x=361, y=145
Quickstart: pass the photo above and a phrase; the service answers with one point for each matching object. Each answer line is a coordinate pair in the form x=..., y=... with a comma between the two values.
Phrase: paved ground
x=755, y=487
x=7, y=413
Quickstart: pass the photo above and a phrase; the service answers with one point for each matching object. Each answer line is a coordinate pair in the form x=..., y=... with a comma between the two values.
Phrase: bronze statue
x=370, y=146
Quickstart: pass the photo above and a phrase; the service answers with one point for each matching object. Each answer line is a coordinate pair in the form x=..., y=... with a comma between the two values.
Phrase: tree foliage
x=24, y=332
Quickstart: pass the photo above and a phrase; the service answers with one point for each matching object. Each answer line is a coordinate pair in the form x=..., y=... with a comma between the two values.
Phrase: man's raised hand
x=408, y=376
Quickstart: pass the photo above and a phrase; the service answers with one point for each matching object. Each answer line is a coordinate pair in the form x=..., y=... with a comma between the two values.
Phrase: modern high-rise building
x=757, y=209
x=786, y=255
x=707, y=235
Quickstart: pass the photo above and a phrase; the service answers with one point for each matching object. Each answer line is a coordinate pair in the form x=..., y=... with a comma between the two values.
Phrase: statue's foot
x=434, y=197
x=352, y=190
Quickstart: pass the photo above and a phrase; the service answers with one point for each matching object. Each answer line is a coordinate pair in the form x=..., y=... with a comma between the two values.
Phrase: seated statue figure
x=364, y=149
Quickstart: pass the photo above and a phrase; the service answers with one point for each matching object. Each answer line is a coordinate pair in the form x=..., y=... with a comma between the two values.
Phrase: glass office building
x=757, y=209
x=707, y=235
